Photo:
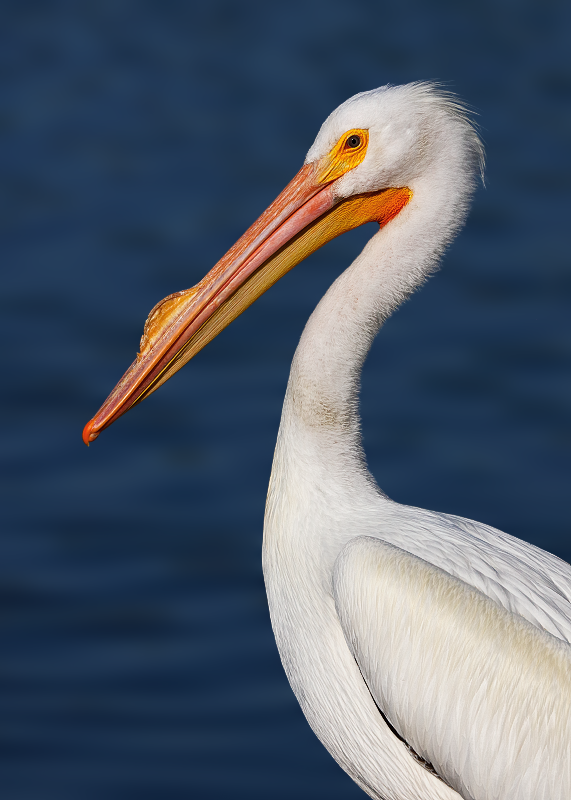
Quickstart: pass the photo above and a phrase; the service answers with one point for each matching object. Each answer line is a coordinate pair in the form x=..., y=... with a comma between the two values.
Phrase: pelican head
x=409, y=129
x=372, y=156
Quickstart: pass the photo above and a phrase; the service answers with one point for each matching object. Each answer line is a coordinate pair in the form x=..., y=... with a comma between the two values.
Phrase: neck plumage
x=321, y=402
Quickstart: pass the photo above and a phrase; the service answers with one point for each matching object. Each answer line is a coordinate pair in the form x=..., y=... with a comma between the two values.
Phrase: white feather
x=321, y=498
x=472, y=687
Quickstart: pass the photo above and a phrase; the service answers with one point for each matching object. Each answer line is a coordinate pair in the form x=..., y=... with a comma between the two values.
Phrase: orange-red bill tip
x=87, y=436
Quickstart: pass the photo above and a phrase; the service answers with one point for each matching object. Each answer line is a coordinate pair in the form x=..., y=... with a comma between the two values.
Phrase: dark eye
x=353, y=141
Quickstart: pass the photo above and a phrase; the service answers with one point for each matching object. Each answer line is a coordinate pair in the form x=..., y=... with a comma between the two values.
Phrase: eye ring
x=353, y=141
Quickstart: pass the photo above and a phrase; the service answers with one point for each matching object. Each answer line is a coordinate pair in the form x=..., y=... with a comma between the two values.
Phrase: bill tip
x=88, y=436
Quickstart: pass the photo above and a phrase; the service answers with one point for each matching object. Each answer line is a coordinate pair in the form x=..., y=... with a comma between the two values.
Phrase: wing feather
x=524, y=579
x=478, y=691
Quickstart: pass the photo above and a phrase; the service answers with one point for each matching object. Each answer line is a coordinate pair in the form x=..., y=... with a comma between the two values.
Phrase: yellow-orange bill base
x=305, y=216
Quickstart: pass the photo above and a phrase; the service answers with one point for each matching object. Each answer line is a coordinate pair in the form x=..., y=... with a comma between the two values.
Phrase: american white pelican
x=429, y=653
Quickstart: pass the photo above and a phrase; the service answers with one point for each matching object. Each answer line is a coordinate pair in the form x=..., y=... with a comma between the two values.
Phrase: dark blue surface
x=137, y=141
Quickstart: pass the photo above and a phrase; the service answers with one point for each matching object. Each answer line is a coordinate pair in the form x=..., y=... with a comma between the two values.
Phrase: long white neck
x=322, y=394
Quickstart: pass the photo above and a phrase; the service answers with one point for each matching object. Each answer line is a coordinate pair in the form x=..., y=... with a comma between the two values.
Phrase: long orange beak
x=305, y=216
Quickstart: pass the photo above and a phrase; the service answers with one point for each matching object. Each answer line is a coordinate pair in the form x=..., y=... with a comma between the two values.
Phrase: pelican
x=429, y=653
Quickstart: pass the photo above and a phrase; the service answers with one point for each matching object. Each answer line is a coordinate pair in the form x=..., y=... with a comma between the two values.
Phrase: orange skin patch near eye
x=344, y=157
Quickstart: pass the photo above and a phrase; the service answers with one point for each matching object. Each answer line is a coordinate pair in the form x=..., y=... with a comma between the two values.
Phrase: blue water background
x=137, y=141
